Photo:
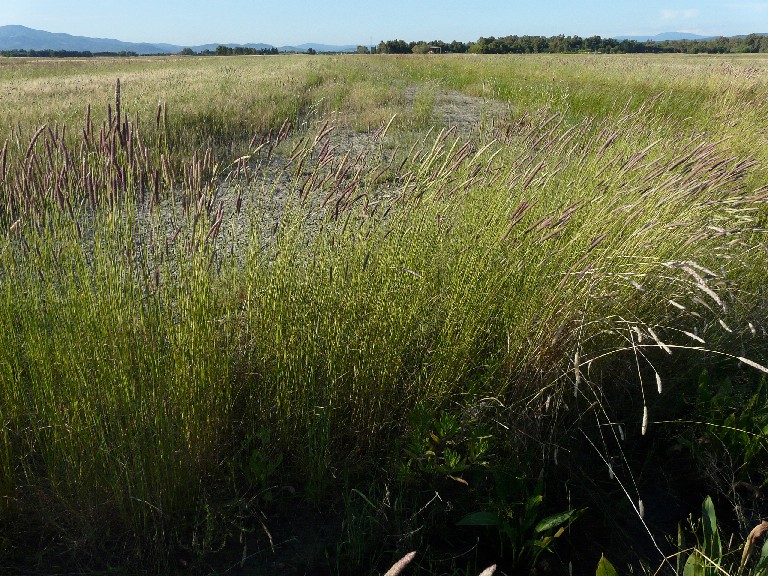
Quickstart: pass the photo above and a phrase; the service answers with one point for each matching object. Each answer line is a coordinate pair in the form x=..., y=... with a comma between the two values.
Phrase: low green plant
x=445, y=444
x=733, y=423
x=605, y=568
x=524, y=532
x=263, y=462
x=710, y=556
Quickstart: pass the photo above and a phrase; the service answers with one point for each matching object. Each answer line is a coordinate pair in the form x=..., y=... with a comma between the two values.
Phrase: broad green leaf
x=554, y=521
x=605, y=568
x=694, y=566
x=531, y=512
x=712, y=547
x=480, y=519
x=533, y=503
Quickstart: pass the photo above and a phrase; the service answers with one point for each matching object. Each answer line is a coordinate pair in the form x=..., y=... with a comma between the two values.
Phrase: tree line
x=61, y=54
x=220, y=51
x=752, y=43
x=236, y=51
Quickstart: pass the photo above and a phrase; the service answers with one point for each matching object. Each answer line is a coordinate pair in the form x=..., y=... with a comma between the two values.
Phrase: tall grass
x=172, y=343
x=222, y=101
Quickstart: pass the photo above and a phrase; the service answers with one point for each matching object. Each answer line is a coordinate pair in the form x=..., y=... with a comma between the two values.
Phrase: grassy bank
x=413, y=335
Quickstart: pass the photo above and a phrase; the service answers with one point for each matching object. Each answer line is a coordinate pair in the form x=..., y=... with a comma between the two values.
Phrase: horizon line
x=276, y=45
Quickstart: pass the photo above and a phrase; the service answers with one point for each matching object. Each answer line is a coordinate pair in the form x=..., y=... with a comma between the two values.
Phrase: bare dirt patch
x=469, y=115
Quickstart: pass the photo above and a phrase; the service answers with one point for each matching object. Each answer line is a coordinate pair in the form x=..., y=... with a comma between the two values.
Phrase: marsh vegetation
x=296, y=314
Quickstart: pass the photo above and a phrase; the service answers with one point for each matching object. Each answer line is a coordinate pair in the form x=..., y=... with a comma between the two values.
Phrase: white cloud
x=750, y=6
x=688, y=14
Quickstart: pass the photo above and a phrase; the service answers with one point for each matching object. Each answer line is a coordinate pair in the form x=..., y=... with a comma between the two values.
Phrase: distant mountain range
x=22, y=38
x=665, y=36
x=674, y=36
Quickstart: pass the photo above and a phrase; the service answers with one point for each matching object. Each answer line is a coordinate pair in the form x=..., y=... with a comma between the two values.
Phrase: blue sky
x=281, y=22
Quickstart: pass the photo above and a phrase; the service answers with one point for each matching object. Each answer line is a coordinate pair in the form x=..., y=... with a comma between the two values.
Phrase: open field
x=266, y=315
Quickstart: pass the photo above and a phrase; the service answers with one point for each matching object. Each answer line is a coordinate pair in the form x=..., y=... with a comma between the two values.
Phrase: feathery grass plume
x=701, y=285
x=32, y=142
x=693, y=336
x=659, y=343
x=88, y=133
x=118, y=115
x=398, y=567
x=644, y=426
x=752, y=363
x=158, y=115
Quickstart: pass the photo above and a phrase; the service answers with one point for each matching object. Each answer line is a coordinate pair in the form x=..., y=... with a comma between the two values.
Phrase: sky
x=283, y=22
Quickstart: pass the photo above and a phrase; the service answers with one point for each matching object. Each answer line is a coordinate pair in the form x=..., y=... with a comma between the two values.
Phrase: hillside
x=665, y=36
x=15, y=37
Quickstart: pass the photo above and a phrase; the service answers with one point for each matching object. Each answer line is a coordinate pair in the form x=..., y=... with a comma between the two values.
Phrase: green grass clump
x=113, y=392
